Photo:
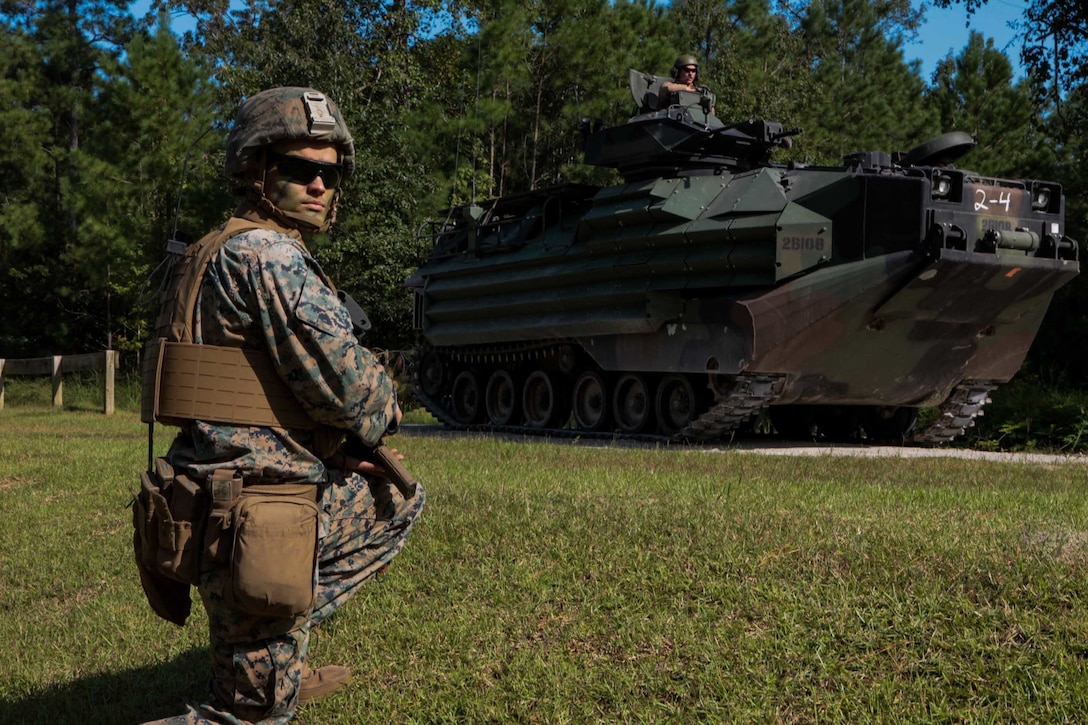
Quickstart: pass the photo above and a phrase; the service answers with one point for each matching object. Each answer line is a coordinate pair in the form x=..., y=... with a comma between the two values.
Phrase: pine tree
x=865, y=96
x=96, y=114
x=975, y=92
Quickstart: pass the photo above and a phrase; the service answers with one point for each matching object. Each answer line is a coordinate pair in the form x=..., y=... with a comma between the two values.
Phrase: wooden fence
x=57, y=365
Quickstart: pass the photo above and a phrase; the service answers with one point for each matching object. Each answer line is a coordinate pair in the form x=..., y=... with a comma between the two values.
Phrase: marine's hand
x=380, y=461
x=348, y=462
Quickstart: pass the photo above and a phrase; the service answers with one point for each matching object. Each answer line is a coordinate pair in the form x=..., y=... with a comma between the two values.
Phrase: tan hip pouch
x=273, y=560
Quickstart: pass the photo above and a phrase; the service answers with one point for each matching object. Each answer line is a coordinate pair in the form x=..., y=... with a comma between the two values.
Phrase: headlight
x=942, y=186
x=1040, y=198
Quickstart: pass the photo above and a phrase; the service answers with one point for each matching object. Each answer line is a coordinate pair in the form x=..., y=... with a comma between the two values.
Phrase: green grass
x=557, y=583
x=80, y=391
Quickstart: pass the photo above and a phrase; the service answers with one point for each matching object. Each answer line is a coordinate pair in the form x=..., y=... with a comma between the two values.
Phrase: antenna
x=174, y=247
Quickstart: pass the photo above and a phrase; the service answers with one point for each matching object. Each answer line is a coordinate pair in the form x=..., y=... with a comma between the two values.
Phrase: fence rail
x=57, y=365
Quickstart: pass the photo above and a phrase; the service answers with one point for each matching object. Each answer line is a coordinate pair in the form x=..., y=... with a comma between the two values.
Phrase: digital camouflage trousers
x=257, y=662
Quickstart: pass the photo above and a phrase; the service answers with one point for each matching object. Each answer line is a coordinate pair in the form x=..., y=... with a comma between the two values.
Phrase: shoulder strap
x=178, y=303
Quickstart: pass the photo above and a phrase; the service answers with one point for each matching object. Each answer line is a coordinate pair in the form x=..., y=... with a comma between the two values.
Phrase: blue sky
x=944, y=30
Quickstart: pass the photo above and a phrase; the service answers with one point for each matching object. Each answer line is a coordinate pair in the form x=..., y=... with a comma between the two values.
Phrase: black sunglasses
x=304, y=171
x=691, y=69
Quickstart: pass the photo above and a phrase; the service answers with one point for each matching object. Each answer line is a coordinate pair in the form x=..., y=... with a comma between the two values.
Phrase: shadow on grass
x=127, y=697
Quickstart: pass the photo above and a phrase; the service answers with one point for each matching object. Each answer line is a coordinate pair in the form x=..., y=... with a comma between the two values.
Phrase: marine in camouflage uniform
x=264, y=291
x=684, y=77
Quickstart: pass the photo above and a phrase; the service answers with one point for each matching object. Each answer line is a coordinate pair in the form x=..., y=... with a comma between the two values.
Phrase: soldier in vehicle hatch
x=685, y=75
x=288, y=524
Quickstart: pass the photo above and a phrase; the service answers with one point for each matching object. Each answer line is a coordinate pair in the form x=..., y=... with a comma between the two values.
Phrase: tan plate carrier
x=183, y=381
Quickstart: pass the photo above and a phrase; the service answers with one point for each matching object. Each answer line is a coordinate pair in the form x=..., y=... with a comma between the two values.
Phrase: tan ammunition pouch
x=169, y=514
x=266, y=537
x=263, y=535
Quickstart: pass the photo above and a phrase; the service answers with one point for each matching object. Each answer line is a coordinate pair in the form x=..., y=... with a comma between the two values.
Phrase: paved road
x=773, y=447
x=780, y=448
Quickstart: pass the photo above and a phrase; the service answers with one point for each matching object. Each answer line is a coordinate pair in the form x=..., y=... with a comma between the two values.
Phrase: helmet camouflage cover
x=287, y=113
x=683, y=60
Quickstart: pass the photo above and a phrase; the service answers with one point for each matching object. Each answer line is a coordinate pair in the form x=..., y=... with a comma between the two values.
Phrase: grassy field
x=553, y=583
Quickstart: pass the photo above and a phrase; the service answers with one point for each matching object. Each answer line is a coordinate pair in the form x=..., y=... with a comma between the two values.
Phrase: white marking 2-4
x=982, y=202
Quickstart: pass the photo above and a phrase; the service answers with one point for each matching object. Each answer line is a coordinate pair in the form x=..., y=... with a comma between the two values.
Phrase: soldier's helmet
x=286, y=113
x=685, y=60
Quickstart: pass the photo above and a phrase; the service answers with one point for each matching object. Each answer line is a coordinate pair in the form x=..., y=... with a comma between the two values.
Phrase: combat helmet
x=279, y=114
x=683, y=60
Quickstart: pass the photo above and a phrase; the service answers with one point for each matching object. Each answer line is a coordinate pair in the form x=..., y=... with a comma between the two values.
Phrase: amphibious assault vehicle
x=713, y=284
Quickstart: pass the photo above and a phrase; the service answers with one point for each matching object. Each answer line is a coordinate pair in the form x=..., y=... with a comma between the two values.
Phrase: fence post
x=58, y=383
x=56, y=366
x=110, y=370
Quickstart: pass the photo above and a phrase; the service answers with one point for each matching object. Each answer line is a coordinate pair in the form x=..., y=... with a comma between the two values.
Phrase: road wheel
x=501, y=398
x=465, y=398
x=542, y=401
x=590, y=401
x=432, y=373
x=631, y=406
x=675, y=405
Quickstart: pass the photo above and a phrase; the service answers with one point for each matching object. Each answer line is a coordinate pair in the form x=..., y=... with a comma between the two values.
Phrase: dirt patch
x=1067, y=546
x=14, y=482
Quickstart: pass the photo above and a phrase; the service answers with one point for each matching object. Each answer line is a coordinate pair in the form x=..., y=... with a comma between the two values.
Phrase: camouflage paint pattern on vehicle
x=713, y=284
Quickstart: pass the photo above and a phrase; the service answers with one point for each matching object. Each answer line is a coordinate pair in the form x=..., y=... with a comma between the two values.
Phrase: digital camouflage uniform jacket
x=264, y=291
